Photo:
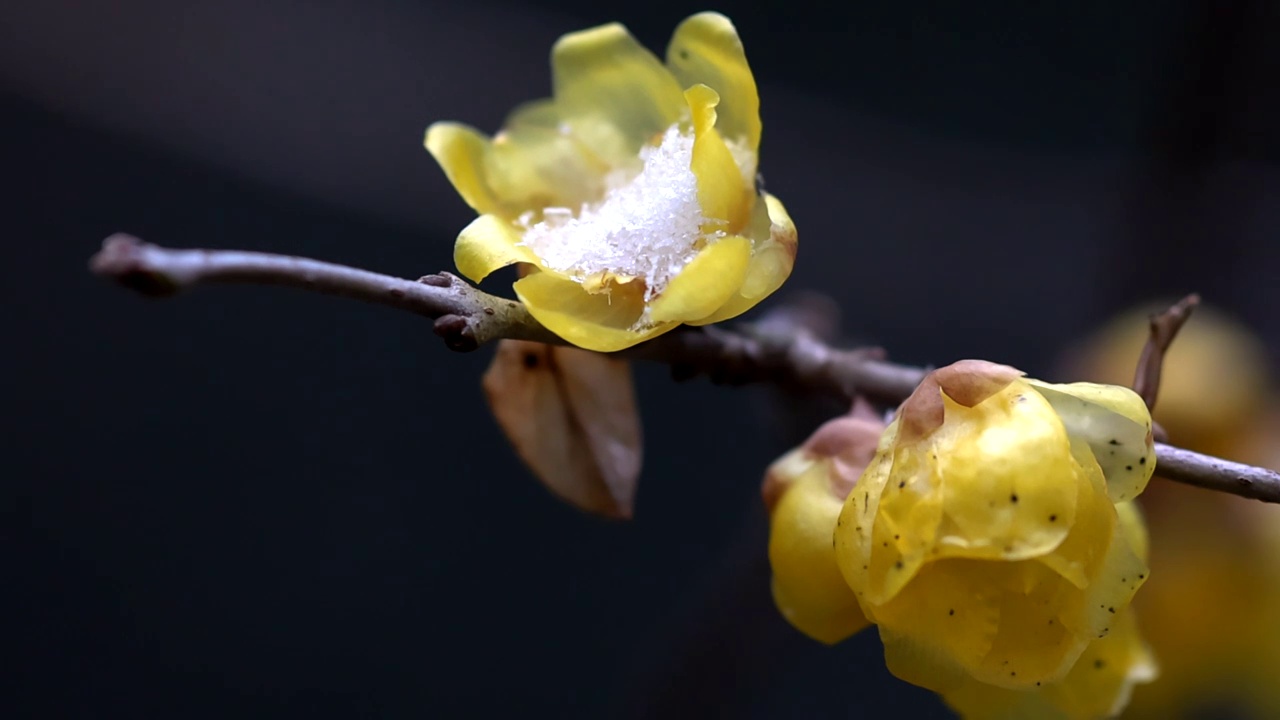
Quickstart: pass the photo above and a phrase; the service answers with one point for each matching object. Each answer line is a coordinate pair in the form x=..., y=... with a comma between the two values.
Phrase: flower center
x=647, y=228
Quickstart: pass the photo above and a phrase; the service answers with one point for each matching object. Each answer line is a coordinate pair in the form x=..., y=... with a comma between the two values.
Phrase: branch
x=467, y=318
x=1164, y=328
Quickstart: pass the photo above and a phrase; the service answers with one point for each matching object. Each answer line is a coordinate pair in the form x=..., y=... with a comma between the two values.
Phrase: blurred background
x=258, y=503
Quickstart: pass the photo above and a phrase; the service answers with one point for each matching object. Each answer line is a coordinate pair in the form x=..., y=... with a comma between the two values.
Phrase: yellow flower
x=804, y=491
x=983, y=539
x=1098, y=685
x=631, y=191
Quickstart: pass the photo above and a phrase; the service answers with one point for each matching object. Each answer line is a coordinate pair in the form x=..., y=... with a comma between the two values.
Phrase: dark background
x=258, y=503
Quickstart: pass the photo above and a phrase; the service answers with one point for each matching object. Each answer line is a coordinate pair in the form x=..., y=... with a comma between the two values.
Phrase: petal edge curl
x=460, y=151
x=706, y=283
x=706, y=49
x=603, y=322
x=603, y=73
x=487, y=244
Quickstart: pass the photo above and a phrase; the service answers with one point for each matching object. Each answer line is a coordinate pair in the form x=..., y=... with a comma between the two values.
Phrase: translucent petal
x=807, y=585
x=1097, y=557
x=487, y=244
x=710, y=278
x=1134, y=527
x=858, y=518
x=706, y=49
x=721, y=191
x=613, y=93
x=460, y=151
x=1098, y=685
x=1006, y=475
x=1103, y=678
x=603, y=321
x=1115, y=423
x=533, y=164
x=943, y=624
x=774, y=240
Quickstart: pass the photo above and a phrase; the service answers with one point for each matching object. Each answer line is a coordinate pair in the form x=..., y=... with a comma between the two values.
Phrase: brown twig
x=467, y=317
x=1164, y=328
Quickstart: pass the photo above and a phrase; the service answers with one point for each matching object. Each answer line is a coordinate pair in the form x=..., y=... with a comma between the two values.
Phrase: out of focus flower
x=631, y=191
x=1215, y=384
x=1212, y=611
x=984, y=540
x=804, y=491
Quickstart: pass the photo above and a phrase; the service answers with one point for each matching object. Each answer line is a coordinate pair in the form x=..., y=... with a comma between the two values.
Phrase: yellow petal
x=603, y=321
x=807, y=585
x=487, y=244
x=1103, y=678
x=996, y=481
x=1097, y=557
x=460, y=151
x=710, y=278
x=1115, y=423
x=612, y=92
x=774, y=254
x=706, y=49
x=721, y=191
x=1097, y=686
x=1134, y=526
x=532, y=164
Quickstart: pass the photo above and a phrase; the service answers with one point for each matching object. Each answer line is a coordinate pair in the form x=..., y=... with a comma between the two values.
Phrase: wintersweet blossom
x=631, y=192
x=984, y=539
x=804, y=491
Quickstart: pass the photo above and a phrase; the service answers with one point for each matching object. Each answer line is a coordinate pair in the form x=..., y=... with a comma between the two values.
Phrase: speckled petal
x=943, y=626
x=1115, y=423
x=460, y=151
x=1097, y=686
x=721, y=191
x=807, y=585
x=706, y=49
x=603, y=321
x=612, y=92
x=1008, y=478
x=487, y=244
x=705, y=283
x=774, y=253
x=1098, y=559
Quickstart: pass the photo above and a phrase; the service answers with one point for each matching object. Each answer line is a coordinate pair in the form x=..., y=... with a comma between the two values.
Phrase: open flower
x=984, y=539
x=631, y=191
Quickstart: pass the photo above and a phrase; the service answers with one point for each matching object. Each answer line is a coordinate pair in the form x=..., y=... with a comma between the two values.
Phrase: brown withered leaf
x=571, y=416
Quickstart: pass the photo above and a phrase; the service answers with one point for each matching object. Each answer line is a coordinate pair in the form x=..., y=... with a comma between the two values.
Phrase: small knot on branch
x=456, y=332
x=440, y=280
x=124, y=258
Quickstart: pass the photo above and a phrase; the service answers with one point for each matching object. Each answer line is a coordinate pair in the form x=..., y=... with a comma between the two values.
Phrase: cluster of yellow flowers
x=988, y=531
x=989, y=536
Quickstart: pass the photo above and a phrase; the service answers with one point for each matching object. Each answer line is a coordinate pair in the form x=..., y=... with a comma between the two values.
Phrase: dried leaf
x=571, y=416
